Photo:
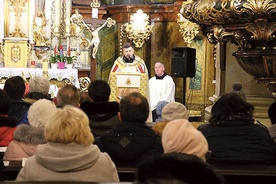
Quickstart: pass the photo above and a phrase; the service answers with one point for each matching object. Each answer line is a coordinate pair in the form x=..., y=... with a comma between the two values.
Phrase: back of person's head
x=231, y=107
x=68, y=95
x=176, y=168
x=134, y=108
x=15, y=87
x=40, y=112
x=237, y=89
x=84, y=97
x=99, y=91
x=159, y=108
x=68, y=125
x=4, y=102
x=181, y=137
x=174, y=110
x=39, y=84
x=272, y=113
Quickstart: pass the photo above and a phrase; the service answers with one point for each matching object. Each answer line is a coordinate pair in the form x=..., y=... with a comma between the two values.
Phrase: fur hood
x=29, y=134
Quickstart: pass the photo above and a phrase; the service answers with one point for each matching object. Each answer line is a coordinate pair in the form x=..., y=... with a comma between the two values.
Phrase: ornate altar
x=57, y=77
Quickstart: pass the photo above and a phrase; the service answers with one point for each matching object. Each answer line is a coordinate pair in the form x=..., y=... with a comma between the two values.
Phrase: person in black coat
x=234, y=137
x=131, y=141
x=102, y=114
x=18, y=108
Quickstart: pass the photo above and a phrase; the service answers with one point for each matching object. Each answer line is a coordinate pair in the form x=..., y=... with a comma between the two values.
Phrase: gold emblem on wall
x=15, y=53
x=128, y=81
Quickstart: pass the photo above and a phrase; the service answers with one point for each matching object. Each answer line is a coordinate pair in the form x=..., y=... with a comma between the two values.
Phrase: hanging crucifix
x=93, y=24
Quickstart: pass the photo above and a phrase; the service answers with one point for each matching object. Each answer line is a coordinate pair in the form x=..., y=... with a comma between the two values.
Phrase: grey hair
x=39, y=84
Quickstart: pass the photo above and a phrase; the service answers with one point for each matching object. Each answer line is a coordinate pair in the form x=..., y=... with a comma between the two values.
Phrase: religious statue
x=39, y=34
x=95, y=34
x=77, y=28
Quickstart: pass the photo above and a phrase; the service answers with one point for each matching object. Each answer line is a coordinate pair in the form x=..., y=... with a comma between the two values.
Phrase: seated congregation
x=94, y=140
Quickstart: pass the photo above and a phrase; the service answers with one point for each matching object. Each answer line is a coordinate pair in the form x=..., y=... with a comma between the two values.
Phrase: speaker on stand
x=183, y=65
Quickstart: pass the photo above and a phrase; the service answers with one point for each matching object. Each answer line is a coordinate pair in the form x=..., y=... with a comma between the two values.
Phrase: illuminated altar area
x=33, y=32
x=29, y=24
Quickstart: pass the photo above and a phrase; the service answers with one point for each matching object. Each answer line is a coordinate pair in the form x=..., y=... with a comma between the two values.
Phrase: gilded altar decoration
x=128, y=81
x=188, y=29
x=39, y=34
x=250, y=24
x=138, y=30
x=15, y=53
x=95, y=4
x=17, y=7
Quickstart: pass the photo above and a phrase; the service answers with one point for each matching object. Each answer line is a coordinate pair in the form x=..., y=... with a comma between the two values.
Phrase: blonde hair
x=67, y=125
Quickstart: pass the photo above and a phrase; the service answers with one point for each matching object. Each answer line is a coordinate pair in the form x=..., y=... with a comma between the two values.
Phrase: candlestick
x=57, y=8
x=45, y=67
x=68, y=9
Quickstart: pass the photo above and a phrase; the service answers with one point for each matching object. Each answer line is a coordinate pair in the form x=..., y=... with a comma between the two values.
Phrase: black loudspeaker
x=183, y=62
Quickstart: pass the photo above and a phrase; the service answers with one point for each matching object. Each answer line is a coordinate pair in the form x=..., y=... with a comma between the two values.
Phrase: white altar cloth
x=57, y=74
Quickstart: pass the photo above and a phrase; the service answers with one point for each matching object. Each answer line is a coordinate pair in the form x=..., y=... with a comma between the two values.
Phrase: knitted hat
x=237, y=89
x=40, y=112
x=174, y=110
x=181, y=137
x=159, y=109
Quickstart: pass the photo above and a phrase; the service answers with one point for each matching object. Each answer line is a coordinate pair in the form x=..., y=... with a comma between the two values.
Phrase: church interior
x=230, y=46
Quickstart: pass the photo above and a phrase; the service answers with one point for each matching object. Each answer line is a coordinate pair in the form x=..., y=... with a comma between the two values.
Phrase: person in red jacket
x=7, y=124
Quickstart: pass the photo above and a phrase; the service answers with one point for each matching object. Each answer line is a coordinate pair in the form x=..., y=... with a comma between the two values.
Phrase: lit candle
x=45, y=65
x=68, y=46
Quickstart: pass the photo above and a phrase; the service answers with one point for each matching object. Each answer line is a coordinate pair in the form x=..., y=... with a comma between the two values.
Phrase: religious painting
x=201, y=87
x=196, y=82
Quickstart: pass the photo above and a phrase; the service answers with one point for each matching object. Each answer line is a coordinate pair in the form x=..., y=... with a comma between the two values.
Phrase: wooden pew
x=126, y=174
x=233, y=174
x=12, y=169
x=242, y=174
